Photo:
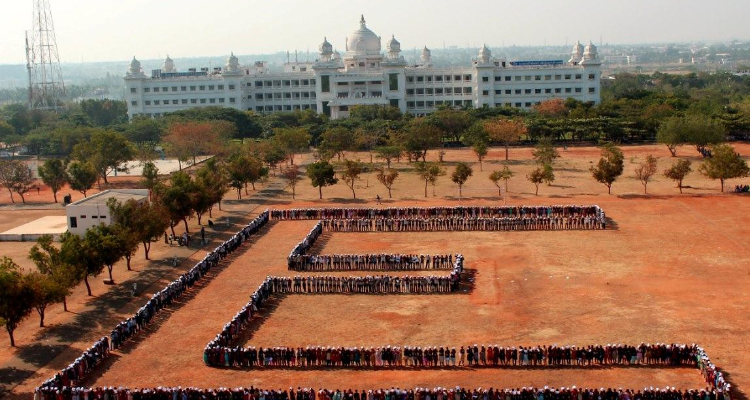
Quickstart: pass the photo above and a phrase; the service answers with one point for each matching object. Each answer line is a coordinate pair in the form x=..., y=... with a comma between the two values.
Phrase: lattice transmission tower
x=46, y=86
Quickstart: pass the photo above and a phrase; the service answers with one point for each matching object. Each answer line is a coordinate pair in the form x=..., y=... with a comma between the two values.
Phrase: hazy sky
x=104, y=30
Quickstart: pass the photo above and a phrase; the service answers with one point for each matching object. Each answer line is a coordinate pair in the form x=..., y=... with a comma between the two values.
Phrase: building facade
x=92, y=211
x=365, y=75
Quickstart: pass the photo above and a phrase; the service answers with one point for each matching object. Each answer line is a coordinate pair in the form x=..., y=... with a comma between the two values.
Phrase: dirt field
x=674, y=268
x=640, y=282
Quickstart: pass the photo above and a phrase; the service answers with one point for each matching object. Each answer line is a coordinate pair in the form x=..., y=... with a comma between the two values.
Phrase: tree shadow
x=11, y=376
x=38, y=354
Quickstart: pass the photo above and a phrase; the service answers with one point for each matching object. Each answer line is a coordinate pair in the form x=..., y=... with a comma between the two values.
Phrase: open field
x=673, y=268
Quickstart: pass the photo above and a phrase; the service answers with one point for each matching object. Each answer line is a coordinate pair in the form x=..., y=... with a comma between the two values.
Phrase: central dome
x=363, y=40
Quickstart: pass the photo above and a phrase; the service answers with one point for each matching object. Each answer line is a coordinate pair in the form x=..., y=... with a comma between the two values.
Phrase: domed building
x=366, y=74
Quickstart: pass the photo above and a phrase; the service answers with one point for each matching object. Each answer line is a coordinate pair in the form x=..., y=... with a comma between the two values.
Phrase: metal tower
x=46, y=86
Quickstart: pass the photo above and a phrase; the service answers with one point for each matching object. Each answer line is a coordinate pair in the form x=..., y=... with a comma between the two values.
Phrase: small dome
x=168, y=65
x=233, y=64
x=325, y=47
x=363, y=40
x=336, y=55
x=135, y=66
x=426, y=56
x=393, y=45
x=577, y=54
x=485, y=54
x=590, y=52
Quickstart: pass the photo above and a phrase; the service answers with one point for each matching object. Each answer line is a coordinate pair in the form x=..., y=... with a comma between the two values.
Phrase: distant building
x=92, y=211
x=620, y=60
x=364, y=75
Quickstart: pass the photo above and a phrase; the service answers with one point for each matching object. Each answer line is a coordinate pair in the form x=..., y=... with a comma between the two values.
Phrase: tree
x=127, y=222
x=292, y=176
x=214, y=179
x=256, y=172
x=724, y=164
x=17, y=177
x=536, y=177
x=105, y=112
x=387, y=177
x=421, y=136
x=609, y=167
x=321, y=174
x=703, y=132
x=505, y=174
x=678, y=171
x=175, y=198
x=429, y=173
x=54, y=175
x=544, y=152
x=645, y=171
x=107, y=246
x=505, y=131
x=189, y=139
x=82, y=176
x=106, y=151
x=460, y=175
x=76, y=253
x=46, y=291
x=548, y=174
x=552, y=108
x=293, y=140
x=150, y=175
x=16, y=297
x=142, y=129
x=452, y=122
x=480, y=149
x=337, y=140
x=49, y=261
x=388, y=153
x=350, y=174
x=672, y=134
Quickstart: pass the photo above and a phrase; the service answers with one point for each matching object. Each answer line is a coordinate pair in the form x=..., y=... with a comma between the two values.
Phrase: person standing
x=203, y=235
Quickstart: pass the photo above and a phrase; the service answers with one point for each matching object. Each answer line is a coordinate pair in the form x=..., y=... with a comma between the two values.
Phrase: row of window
x=436, y=103
x=165, y=89
x=285, y=95
x=518, y=92
x=286, y=107
x=438, y=78
x=439, y=91
x=283, y=83
x=528, y=78
x=220, y=100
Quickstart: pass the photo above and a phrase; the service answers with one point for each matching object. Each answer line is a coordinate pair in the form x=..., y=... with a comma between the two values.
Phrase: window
x=174, y=101
x=73, y=222
x=518, y=104
x=467, y=90
x=192, y=88
x=568, y=90
x=174, y=88
x=578, y=76
x=392, y=81
x=133, y=103
x=429, y=79
x=578, y=90
x=95, y=216
x=132, y=90
x=184, y=101
x=232, y=100
x=518, y=91
x=221, y=99
x=558, y=77
x=485, y=79
x=183, y=88
x=558, y=90
x=592, y=77
x=193, y=101
x=537, y=91
x=547, y=77
x=498, y=92
x=420, y=79
x=146, y=90
x=221, y=87
x=527, y=78
x=527, y=91
x=517, y=78
x=343, y=108
x=527, y=104
x=429, y=91
x=258, y=96
x=507, y=79
x=420, y=91
x=467, y=78
x=537, y=77
x=457, y=77
x=508, y=91
x=592, y=90
x=420, y=104
x=156, y=90
x=567, y=77
x=157, y=102
x=409, y=104
x=485, y=92
x=448, y=90
x=439, y=91
x=203, y=101
x=165, y=89
x=410, y=79
x=548, y=91
x=448, y=78
x=210, y=87
x=325, y=83
x=147, y=102
x=439, y=78
x=202, y=87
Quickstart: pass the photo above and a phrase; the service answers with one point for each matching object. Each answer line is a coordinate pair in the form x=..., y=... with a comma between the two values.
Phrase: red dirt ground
x=640, y=282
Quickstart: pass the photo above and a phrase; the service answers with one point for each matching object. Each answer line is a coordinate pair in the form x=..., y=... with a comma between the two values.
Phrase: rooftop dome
x=363, y=40
x=393, y=45
x=135, y=66
x=485, y=54
x=168, y=65
x=590, y=52
x=325, y=47
x=233, y=64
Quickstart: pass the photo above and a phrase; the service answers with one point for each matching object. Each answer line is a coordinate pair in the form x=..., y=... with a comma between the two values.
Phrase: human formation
x=299, y=260
x=538, y=217
x=64, y=385
x=80, y=368
x=393, y=393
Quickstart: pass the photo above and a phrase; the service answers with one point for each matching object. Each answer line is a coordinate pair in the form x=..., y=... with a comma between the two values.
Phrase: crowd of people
x=444, y=356
x=393, y=393
x=741, y=188
x=419, y=224
x=82, y=366
x=439, y=212
x=370, y=262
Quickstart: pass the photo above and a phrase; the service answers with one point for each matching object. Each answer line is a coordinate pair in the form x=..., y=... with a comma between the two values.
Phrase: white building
x=365, y=75
x=92, y=211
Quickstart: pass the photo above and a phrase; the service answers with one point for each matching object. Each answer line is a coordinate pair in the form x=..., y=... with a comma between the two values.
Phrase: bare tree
x=645, y=171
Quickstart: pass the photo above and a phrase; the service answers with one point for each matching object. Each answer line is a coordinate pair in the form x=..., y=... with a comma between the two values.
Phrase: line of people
x=370, y=262
x=439, y=212
x=392, y=393
x=419, y=224
x=83, y=365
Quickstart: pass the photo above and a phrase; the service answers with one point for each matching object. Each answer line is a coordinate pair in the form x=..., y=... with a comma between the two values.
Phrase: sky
x=114, y=30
